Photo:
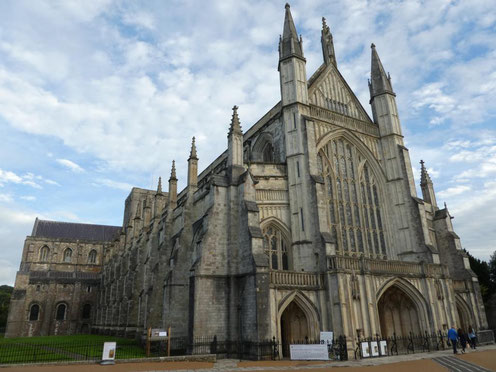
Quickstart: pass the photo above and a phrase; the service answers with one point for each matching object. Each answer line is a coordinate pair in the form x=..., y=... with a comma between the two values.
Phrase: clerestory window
x=44, y=253
x=276, y=247
x=353, y=200
x=68, y=255
x=92, y=257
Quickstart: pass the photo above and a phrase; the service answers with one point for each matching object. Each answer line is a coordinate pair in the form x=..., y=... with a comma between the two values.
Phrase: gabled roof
x=74, y=231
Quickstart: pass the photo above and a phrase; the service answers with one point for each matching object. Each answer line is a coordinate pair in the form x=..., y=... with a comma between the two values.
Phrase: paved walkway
x=480, y=360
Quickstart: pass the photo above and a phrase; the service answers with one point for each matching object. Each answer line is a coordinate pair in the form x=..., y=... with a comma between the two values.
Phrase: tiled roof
x=75, y=231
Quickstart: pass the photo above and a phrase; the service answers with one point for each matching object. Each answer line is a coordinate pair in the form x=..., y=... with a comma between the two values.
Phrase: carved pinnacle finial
x=159, y=187
x=287, y=6
x=235, y=124
x=424, y=175
x=173, y=171
x=372, y=46
x=324, y=24
x=192, y=154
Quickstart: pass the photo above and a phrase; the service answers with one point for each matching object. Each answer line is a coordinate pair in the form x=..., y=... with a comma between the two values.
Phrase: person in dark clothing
x=472, y=337
x=453, y=338
x=463, y=339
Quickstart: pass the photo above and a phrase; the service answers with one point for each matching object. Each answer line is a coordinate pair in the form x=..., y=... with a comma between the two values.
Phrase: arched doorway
x=397, y=313
x=294, y=327
x=462, y=314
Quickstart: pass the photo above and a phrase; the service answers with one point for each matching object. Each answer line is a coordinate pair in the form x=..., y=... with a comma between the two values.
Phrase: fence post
x=168, y=341
x=148, y=335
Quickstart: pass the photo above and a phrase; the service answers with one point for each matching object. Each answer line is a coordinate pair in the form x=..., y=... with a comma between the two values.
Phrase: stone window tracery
x=268, y=153
x=276, y=247
x=92, y=257
x=67, y=255
x=353, y=200
x=44, y=253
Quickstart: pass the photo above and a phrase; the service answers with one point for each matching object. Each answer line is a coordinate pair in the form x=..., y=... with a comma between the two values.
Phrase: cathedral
x=308, y=222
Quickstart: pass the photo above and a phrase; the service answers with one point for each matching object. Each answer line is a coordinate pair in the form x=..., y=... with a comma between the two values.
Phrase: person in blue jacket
x=453, y=337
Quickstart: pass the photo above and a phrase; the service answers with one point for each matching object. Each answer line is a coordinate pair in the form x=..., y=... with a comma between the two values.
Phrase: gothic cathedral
x=309, y=222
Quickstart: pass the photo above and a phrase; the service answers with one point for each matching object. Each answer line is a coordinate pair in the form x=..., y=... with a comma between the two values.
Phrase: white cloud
x=452, y=191
x=6, y=198
x=113, y=184
x=28, y=198
x=27, y=179
x=70, y=165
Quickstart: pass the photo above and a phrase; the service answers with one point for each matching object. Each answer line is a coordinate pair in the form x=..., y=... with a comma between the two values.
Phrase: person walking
x=453, y=338
x=463, y=339
x=472, y=337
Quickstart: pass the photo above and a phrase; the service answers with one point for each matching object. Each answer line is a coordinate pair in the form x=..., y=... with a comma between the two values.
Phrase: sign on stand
x=309, y=352
x=157, y=334
x=108, y=355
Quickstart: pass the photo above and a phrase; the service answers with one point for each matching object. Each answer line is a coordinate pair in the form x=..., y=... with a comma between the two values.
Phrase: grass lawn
x=52, y=348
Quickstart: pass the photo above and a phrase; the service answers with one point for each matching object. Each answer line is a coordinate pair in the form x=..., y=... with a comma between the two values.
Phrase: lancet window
x=68, y=255
x=276, y=247
x=44, y=253
x=353, y=200
x=92, y=257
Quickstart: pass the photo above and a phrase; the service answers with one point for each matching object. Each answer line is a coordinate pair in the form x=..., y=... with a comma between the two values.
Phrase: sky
x=99, y=96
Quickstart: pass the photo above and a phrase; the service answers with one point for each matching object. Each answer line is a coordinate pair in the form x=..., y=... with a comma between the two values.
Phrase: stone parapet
x=342, y=263
x=292, y=279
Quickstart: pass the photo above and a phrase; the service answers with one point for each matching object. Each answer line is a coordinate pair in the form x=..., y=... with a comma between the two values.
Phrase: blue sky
x=100, y=96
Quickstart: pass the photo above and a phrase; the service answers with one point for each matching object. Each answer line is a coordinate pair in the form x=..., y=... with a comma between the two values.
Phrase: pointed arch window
x=276, y=247
x=68, y=255
x=44, y=253
x=353, y=200
x=92, y=257
x=34, y=312
x=61, y=312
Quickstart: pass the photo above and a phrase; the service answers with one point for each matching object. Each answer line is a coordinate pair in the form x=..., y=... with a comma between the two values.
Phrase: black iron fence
x=409, y=344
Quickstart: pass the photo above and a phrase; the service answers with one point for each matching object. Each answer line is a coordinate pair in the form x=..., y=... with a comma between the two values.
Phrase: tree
x=486, y=274
x=5, y=293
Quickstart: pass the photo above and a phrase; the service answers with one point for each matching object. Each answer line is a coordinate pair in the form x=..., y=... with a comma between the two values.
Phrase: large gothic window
x=276, y=247
x=353, y=200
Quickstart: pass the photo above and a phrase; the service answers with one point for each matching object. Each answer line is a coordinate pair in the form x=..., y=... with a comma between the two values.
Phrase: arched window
x=276, y=247
x=86, y=311
x=44, y=253
x=353, y=200
x=92, y=257
x=67, y=255
x=61, y=310
x=34, y=312
x=268, y=153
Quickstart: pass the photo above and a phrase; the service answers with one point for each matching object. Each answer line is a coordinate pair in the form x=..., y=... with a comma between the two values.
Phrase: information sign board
x=158, y=334
x=326, y=338
x=309, y=352
x=374, y=348
x=109, y=351
x=365, y=349
x=383, y=347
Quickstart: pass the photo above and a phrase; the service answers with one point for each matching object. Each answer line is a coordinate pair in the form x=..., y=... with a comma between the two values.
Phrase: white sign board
x=309, y=352
x=326, y=338
x=109, y=350
x=383, y=347
x=365, y=349
x=375, y=348
x=162, y=334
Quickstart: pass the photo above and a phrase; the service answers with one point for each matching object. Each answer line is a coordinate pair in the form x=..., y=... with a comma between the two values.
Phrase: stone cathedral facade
x=308, y=222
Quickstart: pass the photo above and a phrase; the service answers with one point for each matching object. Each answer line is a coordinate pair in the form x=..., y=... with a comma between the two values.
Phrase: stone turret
x=292, y=64
x=193, y=166
x=173, y=187
x=327, y=44
x=427, y=186
x=383, y=98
